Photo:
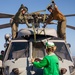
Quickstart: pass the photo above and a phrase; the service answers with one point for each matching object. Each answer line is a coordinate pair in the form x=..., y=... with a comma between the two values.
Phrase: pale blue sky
x=12, y=6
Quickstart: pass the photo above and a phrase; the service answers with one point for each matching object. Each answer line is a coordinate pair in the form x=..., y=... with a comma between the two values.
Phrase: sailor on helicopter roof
x=57, y=15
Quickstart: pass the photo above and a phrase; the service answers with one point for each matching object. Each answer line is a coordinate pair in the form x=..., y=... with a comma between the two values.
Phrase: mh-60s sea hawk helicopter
x=29, y=42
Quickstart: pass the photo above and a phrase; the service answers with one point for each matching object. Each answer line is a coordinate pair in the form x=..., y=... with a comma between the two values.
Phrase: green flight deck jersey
x=50, y=63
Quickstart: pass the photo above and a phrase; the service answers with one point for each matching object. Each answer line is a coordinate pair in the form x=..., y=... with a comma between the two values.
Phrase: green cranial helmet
x=49, y=44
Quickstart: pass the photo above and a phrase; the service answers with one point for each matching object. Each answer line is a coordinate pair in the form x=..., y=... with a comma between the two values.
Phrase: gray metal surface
x=41, y=31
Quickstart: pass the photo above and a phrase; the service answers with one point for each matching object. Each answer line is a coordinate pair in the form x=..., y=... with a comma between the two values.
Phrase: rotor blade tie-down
x=43, y=23
x=34, y=32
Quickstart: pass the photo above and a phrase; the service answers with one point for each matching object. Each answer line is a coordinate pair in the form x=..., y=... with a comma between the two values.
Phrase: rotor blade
x=68, y=26
x=71, y=27
x=38, y=11
x=69, y=15
x=3, y=15
x=5, y=25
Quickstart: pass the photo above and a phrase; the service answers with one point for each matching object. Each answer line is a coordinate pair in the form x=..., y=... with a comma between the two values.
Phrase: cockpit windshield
x=38, y=50
x=21, y=49
x=18, y=50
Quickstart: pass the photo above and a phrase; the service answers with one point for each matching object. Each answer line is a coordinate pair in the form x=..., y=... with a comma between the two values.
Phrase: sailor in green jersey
x=50, y=62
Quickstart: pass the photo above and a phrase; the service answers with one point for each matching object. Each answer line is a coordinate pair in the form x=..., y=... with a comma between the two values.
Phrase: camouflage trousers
x=14, y=30
x=61, y=29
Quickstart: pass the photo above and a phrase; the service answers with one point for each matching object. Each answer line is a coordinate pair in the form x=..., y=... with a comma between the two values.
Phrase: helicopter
x=29, y=42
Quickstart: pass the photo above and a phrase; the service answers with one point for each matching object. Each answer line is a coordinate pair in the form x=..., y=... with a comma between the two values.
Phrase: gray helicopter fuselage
x=27, y=45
